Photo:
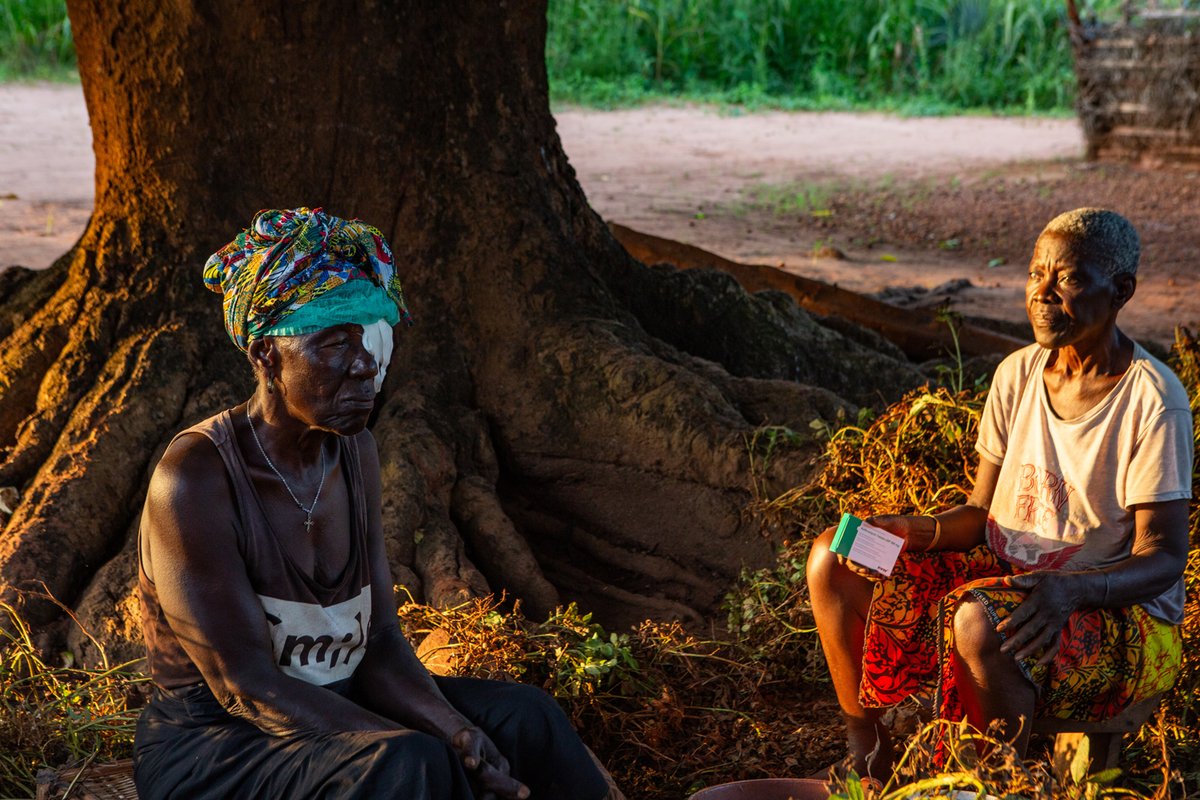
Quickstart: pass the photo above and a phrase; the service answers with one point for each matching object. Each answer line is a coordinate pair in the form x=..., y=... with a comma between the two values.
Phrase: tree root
x=508, y=562
x=438, y=488
x=24, y=292
x=449, y=577
x=71, y=522
x=66, y=380
x=110, y=610
x=764, y=401
x=29, y=352
x=918, y=333
x=623, y=607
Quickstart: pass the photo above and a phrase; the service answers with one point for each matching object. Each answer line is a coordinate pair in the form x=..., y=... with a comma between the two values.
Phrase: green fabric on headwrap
x=290, y=258
x=359, y=302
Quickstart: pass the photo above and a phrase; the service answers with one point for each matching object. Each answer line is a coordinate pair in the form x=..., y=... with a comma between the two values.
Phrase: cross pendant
x=308, y=523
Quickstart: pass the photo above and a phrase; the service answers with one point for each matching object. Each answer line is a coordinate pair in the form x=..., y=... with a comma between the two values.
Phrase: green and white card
x=868, y=546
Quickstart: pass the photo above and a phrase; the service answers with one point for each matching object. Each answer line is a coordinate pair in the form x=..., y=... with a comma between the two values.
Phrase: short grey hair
x=1104, y=236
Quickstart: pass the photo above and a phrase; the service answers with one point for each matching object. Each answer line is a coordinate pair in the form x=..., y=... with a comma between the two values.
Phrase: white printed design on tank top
x=319, y=645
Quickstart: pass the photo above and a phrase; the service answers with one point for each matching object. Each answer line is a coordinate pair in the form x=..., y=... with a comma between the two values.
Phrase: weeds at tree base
x=669, y=712
x=915, y=457
x=50, y=716
x=979, y=765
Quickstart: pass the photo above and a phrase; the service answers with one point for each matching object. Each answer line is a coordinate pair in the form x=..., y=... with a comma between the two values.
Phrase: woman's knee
x=975, y=636
x=537, y=714
x=543, y=748
x=822, y=564
x=409, y=751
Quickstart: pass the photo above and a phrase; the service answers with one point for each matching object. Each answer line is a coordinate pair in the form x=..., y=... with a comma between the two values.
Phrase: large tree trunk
x=535, y=438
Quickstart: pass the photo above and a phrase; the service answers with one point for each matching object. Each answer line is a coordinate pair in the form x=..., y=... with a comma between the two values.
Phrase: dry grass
x=668, y=711
x=917, y=456
x=56, y=715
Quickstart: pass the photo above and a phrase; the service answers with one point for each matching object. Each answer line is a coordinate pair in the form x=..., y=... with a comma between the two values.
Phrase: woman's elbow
x=238, y=697
x=253, y=699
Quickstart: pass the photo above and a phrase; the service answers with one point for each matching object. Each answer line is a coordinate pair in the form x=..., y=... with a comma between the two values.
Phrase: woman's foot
x=870, y=745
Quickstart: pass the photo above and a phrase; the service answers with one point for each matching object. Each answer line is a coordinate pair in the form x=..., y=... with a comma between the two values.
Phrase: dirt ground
x=45, y=172
x=923, y=211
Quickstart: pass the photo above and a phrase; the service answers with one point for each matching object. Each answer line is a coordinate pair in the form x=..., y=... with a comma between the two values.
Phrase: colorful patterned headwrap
x=291, y=257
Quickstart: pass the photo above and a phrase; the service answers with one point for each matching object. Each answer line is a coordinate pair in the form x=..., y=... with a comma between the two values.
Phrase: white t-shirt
x=1066, y=488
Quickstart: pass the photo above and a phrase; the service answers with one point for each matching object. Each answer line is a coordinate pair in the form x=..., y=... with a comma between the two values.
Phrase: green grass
x=35, y=41
x=912, y=56
x=791, y=198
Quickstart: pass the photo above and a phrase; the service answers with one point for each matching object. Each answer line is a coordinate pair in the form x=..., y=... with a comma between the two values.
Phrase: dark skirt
x=187, y=745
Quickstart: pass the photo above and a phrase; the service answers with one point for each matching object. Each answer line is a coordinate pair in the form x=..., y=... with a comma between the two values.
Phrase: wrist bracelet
x=937, y=533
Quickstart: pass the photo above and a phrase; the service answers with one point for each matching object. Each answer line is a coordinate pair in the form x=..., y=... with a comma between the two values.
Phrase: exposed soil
x=914, y=205
x=46, y=169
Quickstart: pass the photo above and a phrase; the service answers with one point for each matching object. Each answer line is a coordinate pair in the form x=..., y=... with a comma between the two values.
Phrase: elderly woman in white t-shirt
x=1056, y=589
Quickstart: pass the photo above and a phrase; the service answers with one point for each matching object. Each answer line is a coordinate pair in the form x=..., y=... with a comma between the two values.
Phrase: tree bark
x=535, y=438
x=917, y=332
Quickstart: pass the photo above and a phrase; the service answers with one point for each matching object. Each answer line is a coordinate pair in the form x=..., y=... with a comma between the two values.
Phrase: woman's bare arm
x=1157, y=560
x=392, y=681
x=191, y=546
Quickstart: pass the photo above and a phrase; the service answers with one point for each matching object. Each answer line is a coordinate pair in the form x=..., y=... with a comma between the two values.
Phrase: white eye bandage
x=377, y=339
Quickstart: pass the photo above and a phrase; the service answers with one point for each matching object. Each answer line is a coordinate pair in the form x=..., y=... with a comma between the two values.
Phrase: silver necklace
x=308, y=522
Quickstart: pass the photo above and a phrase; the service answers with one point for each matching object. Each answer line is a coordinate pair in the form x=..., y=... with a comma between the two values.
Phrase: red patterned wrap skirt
x=1108, y=658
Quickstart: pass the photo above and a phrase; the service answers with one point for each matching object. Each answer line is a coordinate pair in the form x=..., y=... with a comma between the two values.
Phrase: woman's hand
x=487, y=766
x=917, y=532
x=1036, y=624
x=909, y=528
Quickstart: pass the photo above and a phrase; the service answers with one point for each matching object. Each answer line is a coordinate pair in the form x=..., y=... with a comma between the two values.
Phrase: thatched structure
x=1139, y=81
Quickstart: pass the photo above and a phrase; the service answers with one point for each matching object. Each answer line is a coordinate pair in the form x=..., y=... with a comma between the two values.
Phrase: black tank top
x=318, y=632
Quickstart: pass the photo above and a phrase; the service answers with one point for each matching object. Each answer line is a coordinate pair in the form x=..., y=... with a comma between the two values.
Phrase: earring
x=270, y=384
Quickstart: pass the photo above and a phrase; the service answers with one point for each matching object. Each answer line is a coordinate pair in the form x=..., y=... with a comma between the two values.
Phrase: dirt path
x=914, y=204
x=643, y=166
x=45, y=172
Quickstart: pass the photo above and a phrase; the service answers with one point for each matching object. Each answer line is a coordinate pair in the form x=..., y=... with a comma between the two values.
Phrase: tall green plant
x=931, y=53
x=953, y=53
x=35, y=39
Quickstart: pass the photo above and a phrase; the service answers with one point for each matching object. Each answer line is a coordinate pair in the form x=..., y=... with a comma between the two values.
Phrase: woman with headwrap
x=279, y=665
